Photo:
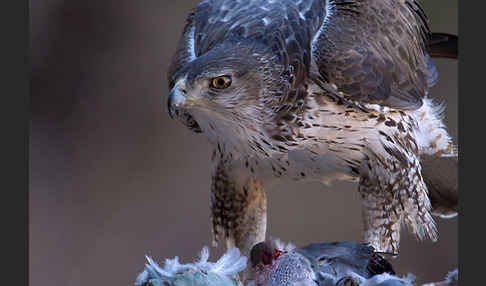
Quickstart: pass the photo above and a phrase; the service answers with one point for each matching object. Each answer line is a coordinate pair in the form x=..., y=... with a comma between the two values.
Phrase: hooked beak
x=177, y=98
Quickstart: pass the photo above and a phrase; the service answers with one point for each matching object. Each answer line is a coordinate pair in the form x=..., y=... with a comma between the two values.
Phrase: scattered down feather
x=199, y=273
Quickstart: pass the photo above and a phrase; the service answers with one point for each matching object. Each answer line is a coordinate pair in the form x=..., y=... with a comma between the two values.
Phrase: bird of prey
x=315, y=90
x=322, y=264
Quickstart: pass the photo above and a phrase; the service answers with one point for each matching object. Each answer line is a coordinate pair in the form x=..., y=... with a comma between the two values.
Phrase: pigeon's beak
x=177, y=98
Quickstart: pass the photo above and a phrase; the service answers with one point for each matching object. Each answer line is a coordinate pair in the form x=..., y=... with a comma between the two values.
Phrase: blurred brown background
x=112, y=178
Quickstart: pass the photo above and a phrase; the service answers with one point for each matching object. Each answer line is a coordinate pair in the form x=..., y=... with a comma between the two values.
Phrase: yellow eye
x=221, y=82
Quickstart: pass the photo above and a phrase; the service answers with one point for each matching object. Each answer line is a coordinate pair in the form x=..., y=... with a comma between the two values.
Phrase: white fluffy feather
x=432, y=136
x=231, y=263
x=390, y=279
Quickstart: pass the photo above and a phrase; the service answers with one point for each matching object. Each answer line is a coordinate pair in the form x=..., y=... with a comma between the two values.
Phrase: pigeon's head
x=263, y=254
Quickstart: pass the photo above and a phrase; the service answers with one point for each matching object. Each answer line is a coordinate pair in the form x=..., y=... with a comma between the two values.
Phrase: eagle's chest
x=318, y=158
x=326, y=142
x=326, y=166
x=304, y=164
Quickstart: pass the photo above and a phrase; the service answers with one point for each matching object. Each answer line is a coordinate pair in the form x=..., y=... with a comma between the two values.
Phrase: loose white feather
x=231, y=263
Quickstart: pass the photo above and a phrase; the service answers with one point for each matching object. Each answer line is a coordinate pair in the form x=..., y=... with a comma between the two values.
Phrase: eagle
x=316, y=90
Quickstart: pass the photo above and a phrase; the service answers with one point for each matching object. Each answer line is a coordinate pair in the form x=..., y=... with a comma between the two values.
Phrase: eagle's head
x=227, y=92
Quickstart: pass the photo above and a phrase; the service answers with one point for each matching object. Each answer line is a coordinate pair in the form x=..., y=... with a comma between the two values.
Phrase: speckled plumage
x=321, y=264
x=319, y=91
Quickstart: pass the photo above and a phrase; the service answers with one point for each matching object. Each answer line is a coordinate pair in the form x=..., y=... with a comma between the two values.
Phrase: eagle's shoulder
x=374, y=51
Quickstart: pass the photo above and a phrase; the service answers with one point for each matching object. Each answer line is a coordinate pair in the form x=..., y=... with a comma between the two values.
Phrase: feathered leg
x=381, y=220
x=238, y=207
x=393, y=191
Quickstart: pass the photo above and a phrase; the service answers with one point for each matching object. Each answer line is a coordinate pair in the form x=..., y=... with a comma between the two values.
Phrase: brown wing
x=374, y=51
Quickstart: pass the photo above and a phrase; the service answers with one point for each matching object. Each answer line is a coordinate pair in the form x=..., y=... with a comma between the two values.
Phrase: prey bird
x=316, y=90
x=321, y=264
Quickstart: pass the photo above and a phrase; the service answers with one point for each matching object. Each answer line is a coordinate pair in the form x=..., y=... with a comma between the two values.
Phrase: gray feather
x=343, y=256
